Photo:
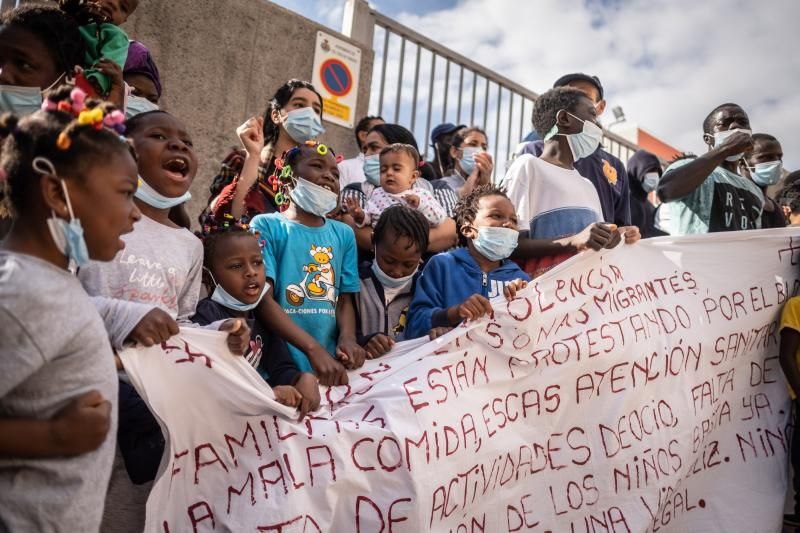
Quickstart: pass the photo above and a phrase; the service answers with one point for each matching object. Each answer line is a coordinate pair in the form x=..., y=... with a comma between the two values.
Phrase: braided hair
x=466, y=209
x=402, y=221
x=282, y=180
x=72, y=144
x=212, y=233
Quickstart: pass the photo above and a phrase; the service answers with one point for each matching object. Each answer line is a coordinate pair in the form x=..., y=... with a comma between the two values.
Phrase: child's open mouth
x=177, y=168
x=252, y=289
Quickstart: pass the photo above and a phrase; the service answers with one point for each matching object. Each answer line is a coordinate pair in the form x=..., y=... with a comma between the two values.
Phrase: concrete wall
x=221, y=61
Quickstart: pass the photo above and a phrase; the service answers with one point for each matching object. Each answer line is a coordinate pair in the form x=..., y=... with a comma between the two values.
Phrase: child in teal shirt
x=311, y=262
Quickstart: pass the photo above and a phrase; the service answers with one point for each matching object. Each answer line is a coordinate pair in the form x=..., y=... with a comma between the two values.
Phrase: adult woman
x=442, y=237
x=473, y=164
x=39, y=47
x=292, y=117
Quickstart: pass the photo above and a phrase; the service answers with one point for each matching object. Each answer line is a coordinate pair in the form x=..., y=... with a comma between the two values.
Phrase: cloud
x=666, y=62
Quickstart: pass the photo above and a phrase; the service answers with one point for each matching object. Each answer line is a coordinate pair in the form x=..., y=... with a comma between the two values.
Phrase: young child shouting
x=399, y=171
x=457, y=285
x=237, y=284
x=311, y=263
x=160, y=266
x=387, y=283
x=70, y=188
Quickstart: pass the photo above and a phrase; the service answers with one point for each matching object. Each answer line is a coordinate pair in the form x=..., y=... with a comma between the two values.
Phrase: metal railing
x=420, y=83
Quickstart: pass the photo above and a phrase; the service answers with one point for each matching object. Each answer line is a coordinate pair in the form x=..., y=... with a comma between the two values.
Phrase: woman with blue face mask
x=242, y=188
x=764, y=165
x=473, y=164
x=39, y=48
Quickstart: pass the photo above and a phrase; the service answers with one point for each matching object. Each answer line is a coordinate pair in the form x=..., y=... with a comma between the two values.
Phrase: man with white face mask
x=559, y=210
x=707, y=194
x=764, y=165
x=606, y=172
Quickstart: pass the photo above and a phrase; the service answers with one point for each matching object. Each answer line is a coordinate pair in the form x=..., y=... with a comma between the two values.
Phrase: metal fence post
x=358, y=22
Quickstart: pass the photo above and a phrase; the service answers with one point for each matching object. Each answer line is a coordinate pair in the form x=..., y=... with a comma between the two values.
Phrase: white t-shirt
x=352, y=171
x=552, y=202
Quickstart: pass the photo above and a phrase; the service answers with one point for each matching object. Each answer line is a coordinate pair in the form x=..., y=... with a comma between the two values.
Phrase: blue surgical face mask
x=153, y=198
x=720, y=136
x=312, y=198
x=23, y=100
x=467, y=160
x=303, y=124
x=495, y=244
x=372, y=169
x=650, y=181
x=766, y=174
x=137, y=105
x=224, y=298
x=581, y=144
x=387, y=281
x=67, y=235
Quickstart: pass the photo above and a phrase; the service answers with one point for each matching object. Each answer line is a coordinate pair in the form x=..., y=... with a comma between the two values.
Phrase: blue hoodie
x=448, y=279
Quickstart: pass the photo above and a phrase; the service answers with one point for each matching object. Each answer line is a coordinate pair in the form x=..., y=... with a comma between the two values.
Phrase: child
x=311, y=264
x=161, y=265
x=457, y=285
x=560, y=209
x=790, y=363
x=237, y=283
x=399, y=172
x=105, y=41
x=140, y=74
x=70, y=187
x=387, y=283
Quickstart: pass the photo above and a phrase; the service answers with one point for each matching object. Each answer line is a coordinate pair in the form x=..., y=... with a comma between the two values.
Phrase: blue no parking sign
x=336, y=77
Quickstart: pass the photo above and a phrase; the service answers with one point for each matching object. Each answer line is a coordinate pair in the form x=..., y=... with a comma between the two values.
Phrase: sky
x=667, y=63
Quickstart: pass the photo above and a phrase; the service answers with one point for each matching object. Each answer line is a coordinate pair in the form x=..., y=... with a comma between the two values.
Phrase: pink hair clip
x=78, y=97
x=49, y=105
x=3, y=175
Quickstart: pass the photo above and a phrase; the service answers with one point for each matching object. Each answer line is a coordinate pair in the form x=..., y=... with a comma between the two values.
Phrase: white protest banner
x=636, y=389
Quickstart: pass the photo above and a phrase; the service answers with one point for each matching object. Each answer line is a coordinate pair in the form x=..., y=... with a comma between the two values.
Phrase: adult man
x=765, y=167
x=442, y=139
x=606, y=172
x=352, y=170
x=707, y=194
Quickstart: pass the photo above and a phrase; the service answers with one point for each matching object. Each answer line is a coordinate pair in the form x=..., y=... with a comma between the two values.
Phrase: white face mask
x=650, y=181
x=137, y=105
x=721, y=136
x=23, y=100
x=581, y=144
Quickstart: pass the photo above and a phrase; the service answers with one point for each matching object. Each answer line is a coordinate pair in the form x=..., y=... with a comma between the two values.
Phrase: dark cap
x=579, y=76
x=444, y=129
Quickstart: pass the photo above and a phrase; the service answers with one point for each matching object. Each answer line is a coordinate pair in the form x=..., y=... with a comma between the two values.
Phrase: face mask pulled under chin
x=67, y=235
